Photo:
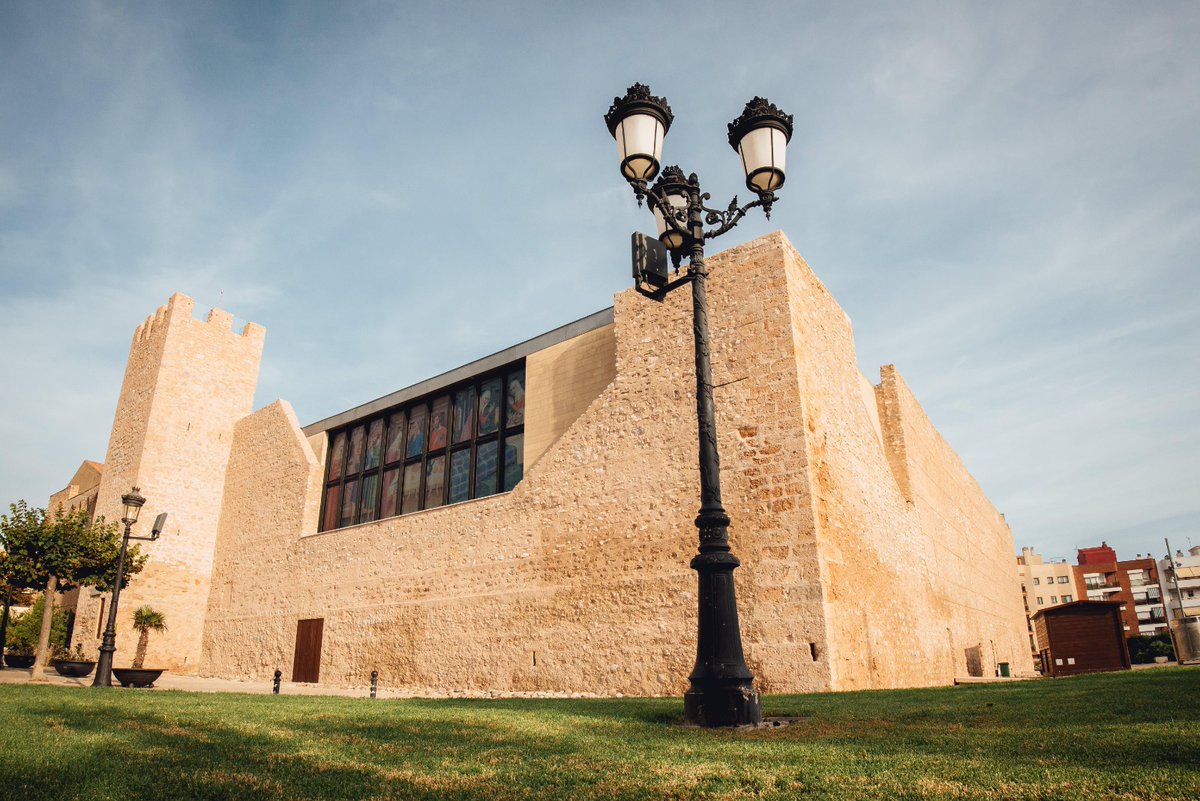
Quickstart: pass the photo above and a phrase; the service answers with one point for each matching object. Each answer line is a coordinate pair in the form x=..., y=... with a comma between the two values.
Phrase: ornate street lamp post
x=133, y=502
x=722, y=688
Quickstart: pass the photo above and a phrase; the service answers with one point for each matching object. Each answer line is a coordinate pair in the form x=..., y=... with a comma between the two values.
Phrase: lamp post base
x=103, y=676
x=722, y=706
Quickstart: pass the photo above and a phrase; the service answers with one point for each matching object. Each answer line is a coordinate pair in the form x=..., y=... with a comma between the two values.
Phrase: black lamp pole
x=133, y=502
x=722, y=687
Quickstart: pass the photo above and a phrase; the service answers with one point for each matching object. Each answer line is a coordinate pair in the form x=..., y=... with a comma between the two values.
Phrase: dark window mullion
x=499, y=437
x=424, y=454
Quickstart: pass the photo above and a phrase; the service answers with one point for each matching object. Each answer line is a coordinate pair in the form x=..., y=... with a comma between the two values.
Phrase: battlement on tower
x=187, y=383
x=181, y=309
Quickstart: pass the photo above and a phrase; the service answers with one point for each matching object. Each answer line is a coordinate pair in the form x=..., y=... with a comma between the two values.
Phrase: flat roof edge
x=519, y=351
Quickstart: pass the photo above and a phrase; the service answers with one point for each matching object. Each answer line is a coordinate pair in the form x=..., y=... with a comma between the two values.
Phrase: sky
x=1003, y=197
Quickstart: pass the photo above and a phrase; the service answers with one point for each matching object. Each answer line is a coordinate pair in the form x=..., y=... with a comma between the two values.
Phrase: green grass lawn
x=1132, y=735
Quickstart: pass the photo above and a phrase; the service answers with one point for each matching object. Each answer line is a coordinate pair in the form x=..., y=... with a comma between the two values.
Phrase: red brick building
x=1132, y=583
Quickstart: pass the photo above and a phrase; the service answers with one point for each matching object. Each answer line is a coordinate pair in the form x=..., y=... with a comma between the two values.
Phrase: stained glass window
x=337, y=456
x=391, y=493
x=333, y=496
x=485, y=469
x=437, y=423
x=514, y=459
x=374, y=444
x=464, y=415
x=411, y=496
x=369, y=497
x=395, y=443
x=466, y=442
x=416, y=432
x=489, y=407
x=460, y=475
x=349, y=503
x=354, y=463
x=514, y=399
x=435, y=481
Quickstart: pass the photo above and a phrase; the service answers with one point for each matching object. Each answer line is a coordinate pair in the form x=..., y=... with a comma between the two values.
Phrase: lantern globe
x=133, y=502
x=760, y=136
x=672, y=187
x=638, y=122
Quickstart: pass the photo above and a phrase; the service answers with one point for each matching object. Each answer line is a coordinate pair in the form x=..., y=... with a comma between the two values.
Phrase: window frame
x=422, y=461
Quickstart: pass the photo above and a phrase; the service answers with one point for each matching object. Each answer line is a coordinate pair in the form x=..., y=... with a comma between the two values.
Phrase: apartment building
x=1184, y=601
x=1132, y=582
x=1044, y=585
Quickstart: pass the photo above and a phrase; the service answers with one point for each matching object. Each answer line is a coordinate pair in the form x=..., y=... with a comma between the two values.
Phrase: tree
x=146, y=620
x=60, y=552
x=16, y=568
x=25, y=629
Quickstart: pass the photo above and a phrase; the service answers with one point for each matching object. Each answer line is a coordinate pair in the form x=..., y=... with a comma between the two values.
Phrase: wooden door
x=307, y=665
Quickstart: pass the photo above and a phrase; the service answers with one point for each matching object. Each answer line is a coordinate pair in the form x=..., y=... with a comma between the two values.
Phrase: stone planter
x=14, y=661
x=72, y=669
x=137, y=677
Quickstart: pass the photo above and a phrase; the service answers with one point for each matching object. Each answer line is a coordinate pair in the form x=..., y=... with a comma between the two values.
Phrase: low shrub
x=1145, y=647
x=24, y=629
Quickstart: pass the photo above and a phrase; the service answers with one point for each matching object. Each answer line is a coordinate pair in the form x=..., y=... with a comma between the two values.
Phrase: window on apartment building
x=1063, y=580
x=1053, y=599
x=1040, y=601
x=1037, y=580
x=463, y=442
x=1068, y=598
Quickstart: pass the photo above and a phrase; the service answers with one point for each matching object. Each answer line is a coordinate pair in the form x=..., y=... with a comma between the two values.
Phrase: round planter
x=139, y=677
x=73, y=670
x=14, y=661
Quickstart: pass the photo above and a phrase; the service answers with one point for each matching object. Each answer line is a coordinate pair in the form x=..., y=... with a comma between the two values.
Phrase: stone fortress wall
x=870, y=556
x=187, y=382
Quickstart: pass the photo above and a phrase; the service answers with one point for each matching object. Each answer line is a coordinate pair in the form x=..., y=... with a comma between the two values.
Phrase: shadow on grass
x=299, y=749
x=1133, y=736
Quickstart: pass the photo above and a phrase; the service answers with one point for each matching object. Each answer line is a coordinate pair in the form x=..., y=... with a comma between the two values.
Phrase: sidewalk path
x=201, y=684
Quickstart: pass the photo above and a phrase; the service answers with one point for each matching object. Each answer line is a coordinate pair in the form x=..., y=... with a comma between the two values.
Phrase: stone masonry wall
x=560, y=382
x=578, y=579
x=186, y=383
x=895, y=619
x=970, y=544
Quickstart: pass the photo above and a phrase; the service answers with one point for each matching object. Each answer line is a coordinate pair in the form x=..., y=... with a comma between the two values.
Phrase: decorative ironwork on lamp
x=722, y=688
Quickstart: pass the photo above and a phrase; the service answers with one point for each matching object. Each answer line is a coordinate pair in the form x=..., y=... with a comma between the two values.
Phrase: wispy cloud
x=1002, y=197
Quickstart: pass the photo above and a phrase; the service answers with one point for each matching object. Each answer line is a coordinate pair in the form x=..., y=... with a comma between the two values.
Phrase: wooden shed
x=1081, y=637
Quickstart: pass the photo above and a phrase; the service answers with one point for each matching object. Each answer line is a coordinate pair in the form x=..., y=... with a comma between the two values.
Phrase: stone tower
x=187, y=382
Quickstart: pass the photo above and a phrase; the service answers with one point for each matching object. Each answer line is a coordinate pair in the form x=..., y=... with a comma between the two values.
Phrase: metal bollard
x=374, y=681
x=278, y=676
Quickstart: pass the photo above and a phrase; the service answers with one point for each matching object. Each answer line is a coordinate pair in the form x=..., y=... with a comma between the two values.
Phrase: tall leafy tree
x=60, y=551
x=18, y=530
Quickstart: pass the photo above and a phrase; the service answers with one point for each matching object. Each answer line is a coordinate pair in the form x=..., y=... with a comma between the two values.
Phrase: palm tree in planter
x=145, y=620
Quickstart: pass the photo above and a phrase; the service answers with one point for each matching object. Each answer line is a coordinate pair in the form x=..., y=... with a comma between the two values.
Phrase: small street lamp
x=133, y=502
x=722, y=688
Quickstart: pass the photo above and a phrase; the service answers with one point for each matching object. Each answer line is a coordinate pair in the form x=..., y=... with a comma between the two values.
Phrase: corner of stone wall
x=767, y=469
x=887, y=396
x=272, y=485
